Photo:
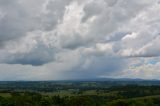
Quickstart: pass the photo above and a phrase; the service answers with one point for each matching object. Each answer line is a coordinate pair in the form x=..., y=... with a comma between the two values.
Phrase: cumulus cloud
x=77, y=38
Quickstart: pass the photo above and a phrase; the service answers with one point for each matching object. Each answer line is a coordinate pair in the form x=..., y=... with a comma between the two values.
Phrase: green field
x=79, y=94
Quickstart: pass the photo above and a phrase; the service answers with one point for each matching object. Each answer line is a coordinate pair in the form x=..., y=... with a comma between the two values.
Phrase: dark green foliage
x=79, y=94
x=35, y=99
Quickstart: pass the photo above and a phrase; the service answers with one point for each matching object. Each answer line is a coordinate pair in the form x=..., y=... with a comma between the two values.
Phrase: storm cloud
x=69, y=39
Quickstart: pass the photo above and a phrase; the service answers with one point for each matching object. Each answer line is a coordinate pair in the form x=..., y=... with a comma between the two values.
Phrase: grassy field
x=5, y=94
x=78, y=94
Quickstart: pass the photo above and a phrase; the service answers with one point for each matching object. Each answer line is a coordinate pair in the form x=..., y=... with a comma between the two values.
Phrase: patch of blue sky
x=153, y=62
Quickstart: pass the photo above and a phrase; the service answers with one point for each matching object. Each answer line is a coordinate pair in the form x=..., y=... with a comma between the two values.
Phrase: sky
x=79, y=39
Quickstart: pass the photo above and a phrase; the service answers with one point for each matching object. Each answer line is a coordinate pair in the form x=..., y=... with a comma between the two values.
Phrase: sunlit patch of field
x=5, y=94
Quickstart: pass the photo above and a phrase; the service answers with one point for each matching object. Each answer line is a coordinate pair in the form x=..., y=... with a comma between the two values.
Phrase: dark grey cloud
x=15, y=21
x=32, y=51
x=97, y=66
x=38, y=56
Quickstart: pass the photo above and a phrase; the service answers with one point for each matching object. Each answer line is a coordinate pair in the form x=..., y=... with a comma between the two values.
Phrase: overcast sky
x=79, y=39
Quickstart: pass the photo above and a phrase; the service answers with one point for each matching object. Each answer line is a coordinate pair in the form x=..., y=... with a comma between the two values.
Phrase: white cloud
x=77, y=38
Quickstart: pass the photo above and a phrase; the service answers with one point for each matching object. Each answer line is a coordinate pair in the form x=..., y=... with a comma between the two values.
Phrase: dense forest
x=80, y=93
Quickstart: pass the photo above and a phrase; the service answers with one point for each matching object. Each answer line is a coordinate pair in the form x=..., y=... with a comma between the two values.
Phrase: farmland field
x=80, y=93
